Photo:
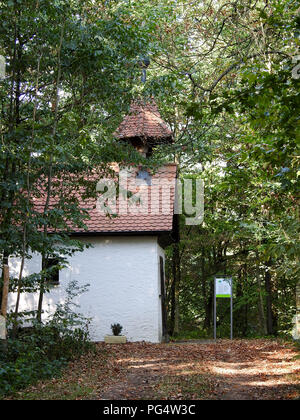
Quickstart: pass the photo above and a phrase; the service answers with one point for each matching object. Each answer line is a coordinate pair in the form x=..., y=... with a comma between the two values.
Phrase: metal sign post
x=223, y=289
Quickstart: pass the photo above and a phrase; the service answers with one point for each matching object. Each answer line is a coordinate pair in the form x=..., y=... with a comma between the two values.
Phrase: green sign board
x=223, y=287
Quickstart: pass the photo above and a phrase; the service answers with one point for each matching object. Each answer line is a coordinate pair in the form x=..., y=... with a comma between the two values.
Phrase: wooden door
x=163, y=298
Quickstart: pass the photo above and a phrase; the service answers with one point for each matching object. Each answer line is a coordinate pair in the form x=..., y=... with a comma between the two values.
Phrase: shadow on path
x=204, y=369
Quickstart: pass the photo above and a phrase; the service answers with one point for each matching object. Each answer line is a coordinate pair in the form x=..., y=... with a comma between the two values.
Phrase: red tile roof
x=156, y=208
x=144, y=121
x=154, y=216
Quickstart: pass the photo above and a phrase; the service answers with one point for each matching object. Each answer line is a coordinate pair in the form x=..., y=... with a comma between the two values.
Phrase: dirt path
x=226, y=370
x=238, y=370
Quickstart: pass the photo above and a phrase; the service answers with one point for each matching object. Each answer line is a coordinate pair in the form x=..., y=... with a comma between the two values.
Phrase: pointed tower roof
x=144, y=121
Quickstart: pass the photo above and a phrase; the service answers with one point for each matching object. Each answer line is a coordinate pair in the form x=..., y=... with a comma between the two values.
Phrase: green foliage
x=42, y=350
x=25, y=362
x=70, y=74
x=242, y=138
x=221, y=73
x=192, y=334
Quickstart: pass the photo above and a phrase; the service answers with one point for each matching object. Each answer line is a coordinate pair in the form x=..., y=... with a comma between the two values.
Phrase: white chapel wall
x=124, y=278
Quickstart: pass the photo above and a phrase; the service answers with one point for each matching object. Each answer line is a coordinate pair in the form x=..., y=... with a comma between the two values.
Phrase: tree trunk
x=24, y=244
x=239, y=294
x=269, y=300
x=41, y=295
x=5, y=290
x=209, y=308
x=206, y=294
x=261, y=309
x=174, y=319
x=50, y=169
x=177, y=306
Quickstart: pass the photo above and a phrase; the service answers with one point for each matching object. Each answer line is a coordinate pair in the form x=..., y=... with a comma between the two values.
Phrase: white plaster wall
x=123, y=273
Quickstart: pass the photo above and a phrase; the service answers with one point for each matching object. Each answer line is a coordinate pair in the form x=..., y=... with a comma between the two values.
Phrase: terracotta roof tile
x=144, y=121
x=157, y=216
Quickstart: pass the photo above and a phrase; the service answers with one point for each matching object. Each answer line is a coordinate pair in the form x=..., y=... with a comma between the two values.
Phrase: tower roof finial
x=144, y=63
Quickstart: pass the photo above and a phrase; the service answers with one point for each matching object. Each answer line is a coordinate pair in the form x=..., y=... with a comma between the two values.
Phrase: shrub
x=41, y=351
x=25, y=362
x=116, y=329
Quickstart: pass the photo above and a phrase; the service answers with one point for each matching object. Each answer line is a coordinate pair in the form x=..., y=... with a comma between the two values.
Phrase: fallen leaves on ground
x=238, y=370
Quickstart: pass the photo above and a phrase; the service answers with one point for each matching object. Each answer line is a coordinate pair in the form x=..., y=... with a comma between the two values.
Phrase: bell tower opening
x=144, y=128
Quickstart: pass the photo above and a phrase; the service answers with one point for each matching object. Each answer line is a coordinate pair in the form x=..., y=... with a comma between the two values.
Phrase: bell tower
x=143, y=126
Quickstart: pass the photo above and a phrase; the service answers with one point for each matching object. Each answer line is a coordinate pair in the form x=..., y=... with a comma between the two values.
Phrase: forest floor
x=225, y=370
